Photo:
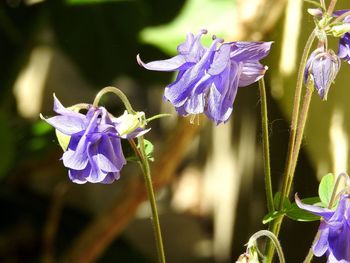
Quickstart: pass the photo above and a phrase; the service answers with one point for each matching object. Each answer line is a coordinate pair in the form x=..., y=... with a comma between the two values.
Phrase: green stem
x=300, y=131
x=331, y=7
x=266, y=146
x=339, y=18
x=149, y=186
x=276, y=224
x=117, y=92
x=272, y=237
x=158, y=116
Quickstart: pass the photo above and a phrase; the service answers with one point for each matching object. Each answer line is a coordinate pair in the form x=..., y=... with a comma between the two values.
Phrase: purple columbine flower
x=208, y=78
x=322, y=66
x=94, y=151
x=334, y=230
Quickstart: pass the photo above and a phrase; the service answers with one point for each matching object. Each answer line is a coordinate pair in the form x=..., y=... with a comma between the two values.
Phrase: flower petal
x=323, y=212
x=66, y=124
x=321, y=245
x=243, y=51
x=252, y=71
x=175, y=63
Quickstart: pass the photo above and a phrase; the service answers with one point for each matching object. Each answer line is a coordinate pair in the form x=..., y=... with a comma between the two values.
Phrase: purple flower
x=94, y=151
x=334, y=239
x=322, y=66
x=208, y=78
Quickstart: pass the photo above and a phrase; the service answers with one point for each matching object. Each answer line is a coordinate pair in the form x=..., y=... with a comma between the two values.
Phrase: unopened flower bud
x=322, y=66
x=339, y=30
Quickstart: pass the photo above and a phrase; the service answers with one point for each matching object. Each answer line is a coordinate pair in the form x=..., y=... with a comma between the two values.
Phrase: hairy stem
x=266, y=146
x=276, y=224
x=151, y=196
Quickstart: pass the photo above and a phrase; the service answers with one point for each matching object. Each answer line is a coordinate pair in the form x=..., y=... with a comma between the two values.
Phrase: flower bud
x=128, y=123
x=323, y=67
x=339, y=30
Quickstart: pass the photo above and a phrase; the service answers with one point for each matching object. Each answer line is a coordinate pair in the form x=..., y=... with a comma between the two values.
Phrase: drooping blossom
x=322, y=66
x=94, y=152
x=208, y=78
x=334, y=230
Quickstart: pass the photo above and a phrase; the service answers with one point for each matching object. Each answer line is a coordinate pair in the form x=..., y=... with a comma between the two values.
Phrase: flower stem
x=288, y=178
x=266, y=146
x=158, y=116
x=151, y=196
x=300, y=131
x=331, y=7
x=272, y=237
x=117, y=92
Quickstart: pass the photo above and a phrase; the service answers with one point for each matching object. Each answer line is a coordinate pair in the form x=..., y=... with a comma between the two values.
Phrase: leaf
x=149, y=150
x=276, y=201
x=325, y=188
x=193, y=16
x=130, y=154
x=298, y=214
x=272, y=216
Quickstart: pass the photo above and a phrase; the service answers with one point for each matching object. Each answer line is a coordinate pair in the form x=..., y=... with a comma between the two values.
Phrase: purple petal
x=323, y=212
x=339, y=242
x=175, y=63
x=66, y=124
x=110, y=178
x=252, y=71
x=107, y=155
x=221, y=60
x=344, y=47
x=223, y=93
x=79, y=176
x=243, y=51
x=178, y=92
x=192, y=48
x=76, y=159
x=321, y=245
x=60, y=109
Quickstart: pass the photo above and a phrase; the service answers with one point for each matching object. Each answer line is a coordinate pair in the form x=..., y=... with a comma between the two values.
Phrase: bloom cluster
x=208, y=78
x=323, y=64
x=94, y=152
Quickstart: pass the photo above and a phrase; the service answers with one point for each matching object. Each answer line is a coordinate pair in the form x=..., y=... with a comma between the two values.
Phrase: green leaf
x=272, y=216
x=130, y=154
x=298, y=214
x=193, y=16
x=325, y=188
x=276, y=201
x=149, y=150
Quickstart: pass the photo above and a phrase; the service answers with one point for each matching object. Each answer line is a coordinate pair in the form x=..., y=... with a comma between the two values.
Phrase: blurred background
x=209, y=179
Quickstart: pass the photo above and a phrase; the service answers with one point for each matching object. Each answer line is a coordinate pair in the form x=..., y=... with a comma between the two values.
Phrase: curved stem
x=117, y=92
x=266, y=146
x=152, y=199
x=276, y=224
x=274, y=240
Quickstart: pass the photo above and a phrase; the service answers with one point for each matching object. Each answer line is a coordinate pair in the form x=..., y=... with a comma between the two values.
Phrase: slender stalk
x=339, y=18
x=149, y=186
x=331, y=7
x=300, y=131
x=272, y=237
x=266, y=146
x=117, y=92
x=158, y=116
x=276, y=224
